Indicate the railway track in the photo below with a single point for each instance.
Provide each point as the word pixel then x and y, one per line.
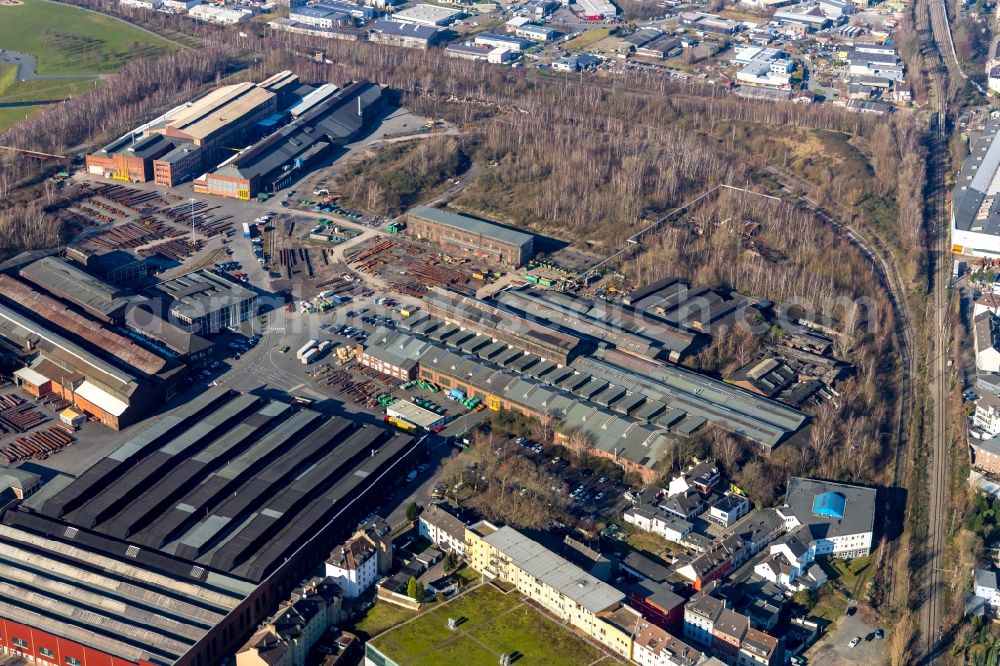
pixel 940 54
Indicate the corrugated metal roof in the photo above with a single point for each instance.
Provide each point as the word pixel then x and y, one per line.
pixel 102 399
pixel 472 225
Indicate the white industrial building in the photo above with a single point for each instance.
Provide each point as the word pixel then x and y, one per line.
pixel 768 67
pixel 840 517
pixel 502 41
pixel 537 33
pixel 224 15
pixel 180 5
pixel 867 60
pixel 596 10
pixel 319 16
pixel 975 211
pixel 140 4
pixel 431 15
pixel 986 586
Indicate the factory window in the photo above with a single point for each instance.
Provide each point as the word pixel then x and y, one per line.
pixel 19 642
pixel 45 652
pixel 73 661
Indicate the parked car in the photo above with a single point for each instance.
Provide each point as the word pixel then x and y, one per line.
pixel 855 641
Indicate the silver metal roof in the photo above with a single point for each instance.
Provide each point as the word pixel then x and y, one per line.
pixel 555 571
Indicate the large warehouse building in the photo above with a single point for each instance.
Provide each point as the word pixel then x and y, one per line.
pixel 203 302
pixel 175 146
pixel 283 156
pixel 975 210
pixel 629 407
pixel 173 548
pixel 73 354
pixel 181 144
pixel 469 235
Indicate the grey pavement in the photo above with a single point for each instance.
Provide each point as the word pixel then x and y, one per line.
pixel 834 647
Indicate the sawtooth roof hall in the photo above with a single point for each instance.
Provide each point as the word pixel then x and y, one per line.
pixel 975 213
pixel 172 548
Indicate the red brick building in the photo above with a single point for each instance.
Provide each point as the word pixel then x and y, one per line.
pixel 43 648
pixel 986 455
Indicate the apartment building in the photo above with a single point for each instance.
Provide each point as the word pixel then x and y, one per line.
pixel 561 588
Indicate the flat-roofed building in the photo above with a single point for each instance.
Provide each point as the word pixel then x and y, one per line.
pixel 502 41
pixel 561 588
pixel 424 14
pixel 217 14
pixel 595 10
pixel 175 546
pixel 410 35
pixel 203 302
pixel 466 234
pixel 118 267
pixel 840 517
pixel 986 454
pixel 409 412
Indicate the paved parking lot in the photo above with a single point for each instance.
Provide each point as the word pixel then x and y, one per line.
pixel 834 648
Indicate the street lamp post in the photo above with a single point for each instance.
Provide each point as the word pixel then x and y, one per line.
pixel 192 221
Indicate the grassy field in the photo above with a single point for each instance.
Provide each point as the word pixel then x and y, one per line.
pixel 69 40
pixel 10 117
pixel 380 617
pixel 588 38
pixel 12 90
pixel 490 623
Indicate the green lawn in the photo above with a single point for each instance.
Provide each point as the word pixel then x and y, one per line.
pixel 380 617
pixel 10 117
pixel 490 623
pixel 69 40
pixel 12 90
pixel 540 640
pixel 467 573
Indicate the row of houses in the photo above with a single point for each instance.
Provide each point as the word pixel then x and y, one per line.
pixel 819 518
pixel 645 622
